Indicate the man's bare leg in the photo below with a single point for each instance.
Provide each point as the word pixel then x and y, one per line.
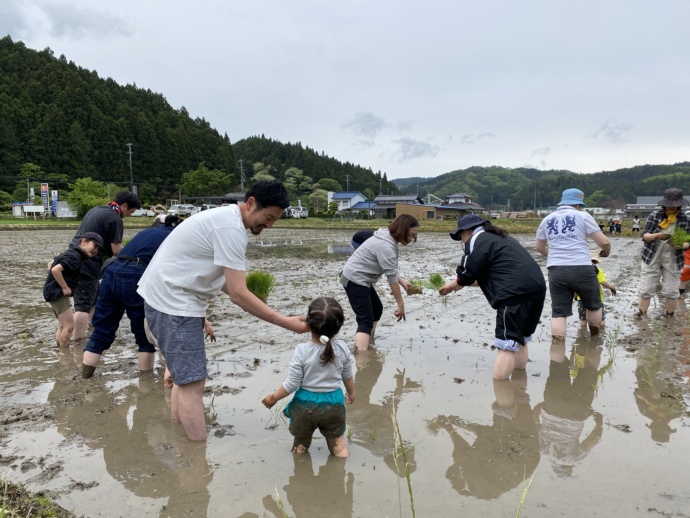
pixel 558 328
pixel 190 408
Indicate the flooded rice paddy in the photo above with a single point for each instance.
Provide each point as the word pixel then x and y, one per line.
pixel 595 427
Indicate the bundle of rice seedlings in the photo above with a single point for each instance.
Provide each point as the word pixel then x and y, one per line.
pixel 261 284
pixel 436 281
pixel 415 287
pixel 679 237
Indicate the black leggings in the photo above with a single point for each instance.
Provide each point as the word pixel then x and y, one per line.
pixel 366 304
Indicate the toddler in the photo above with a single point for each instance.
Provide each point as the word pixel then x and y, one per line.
pixel 316 370
pixel 602 282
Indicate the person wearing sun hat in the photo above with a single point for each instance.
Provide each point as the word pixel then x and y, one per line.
pixel 562 239
pixel 661 262
pixel 511 281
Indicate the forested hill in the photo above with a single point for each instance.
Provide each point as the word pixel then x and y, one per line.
pixel 261 155
pixel 519 187
pixel 65 122
pixel 70 122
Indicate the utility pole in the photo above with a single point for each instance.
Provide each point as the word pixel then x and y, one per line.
pixel 380 190
pixel 131 176
pixel 241 177
pixel 347 182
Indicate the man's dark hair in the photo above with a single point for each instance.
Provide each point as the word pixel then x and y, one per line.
pixel 129 198
pixel 268 193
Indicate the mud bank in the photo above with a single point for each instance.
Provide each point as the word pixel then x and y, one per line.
pixel 600 425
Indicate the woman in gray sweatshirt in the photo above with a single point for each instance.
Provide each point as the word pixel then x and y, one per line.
pixel 377 256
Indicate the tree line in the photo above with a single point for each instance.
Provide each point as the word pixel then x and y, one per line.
pixel 525 188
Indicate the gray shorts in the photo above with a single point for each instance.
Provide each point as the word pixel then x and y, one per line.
pixel 565 281
pixel 181 340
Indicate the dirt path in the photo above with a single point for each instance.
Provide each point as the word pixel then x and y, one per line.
pixel 601 425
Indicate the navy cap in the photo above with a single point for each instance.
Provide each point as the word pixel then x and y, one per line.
pixel 466 223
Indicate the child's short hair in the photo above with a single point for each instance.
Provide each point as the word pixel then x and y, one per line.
pixel 325 317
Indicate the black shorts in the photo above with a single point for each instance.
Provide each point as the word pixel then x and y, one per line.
pixel 366 304
pixel 86 294
pixel 516 323
pixel 565 281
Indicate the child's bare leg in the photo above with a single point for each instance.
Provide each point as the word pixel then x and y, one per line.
pixel 65 328
pixel 301 444
pixel 337 447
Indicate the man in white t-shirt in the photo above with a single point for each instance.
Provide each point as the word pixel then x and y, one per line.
pixel 569 263
pixel 200 259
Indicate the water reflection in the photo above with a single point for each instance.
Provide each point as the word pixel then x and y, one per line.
pixel 489 460
pixel 310 495
pixel 568 396
pixel 371 423
pixel 142 450
pixel 658 397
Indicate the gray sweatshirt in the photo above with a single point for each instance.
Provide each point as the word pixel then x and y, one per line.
pixel 307 372
pixel 377 256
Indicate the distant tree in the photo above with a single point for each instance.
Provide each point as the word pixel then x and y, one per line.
pixel 86 194
pixel 5 201
pixel 205 182
pixel 262 171
pixel 369 194
pixel 328 184
pixel 297 183
pixel 318 200
pixel 333 207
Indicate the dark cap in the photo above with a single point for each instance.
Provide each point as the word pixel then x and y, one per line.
pixel 466 223
pixel 673 198
pixel 96 238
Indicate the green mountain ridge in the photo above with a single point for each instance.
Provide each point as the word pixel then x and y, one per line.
pixel 525 188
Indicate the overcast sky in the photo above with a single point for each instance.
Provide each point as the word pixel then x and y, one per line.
pixel 412 88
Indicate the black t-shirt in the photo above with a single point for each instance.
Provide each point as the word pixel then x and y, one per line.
pixel 107 223
pixel 71 261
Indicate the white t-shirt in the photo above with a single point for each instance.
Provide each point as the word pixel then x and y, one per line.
pixel 566 232
pixel 187 270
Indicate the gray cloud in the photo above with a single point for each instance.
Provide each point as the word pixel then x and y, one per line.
pixel 366 124
pixel 79 23
pixel 472 138
pixel 409 149
pixel 615 133
pixel 543 151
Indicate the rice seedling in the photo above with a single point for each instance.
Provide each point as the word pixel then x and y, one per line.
pixel 399 450
pixel 523 497
pixel 261 284
pixel 374 433
pixel 281 506
pixel 679 238
pixel 436 281
pixel 349 434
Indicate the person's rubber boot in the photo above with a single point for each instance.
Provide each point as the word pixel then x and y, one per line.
pixel 87 371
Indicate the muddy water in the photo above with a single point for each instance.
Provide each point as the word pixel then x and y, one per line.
pixel 600 426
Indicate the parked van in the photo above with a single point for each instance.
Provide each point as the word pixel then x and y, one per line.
pixel 300 212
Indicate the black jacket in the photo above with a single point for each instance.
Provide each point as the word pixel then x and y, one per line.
pixel 506 273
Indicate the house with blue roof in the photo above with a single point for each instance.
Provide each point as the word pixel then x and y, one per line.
pixel 346 199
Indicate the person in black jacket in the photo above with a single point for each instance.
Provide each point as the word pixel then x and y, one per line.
pixel 512 282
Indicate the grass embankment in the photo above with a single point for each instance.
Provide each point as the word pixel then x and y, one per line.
pixel 512 226
pixel 17 501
